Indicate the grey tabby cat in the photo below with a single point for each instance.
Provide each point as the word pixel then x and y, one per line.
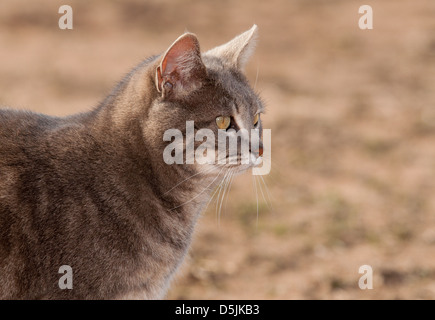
pixel 92 191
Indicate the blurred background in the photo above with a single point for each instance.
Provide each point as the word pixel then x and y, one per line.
pixel 352 114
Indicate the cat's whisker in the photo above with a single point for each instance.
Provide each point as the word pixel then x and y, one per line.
pixel 223 186
pixel 217 203
pixel 211 198
pixel 262 193
pixel 233 174
pixel 200 192
pixel 256 196
pixel 200 172
pixel 267 192
pixel 216 189
pixel 225 190
pixel 274 165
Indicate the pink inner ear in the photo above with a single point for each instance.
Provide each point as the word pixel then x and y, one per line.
pixel 183 47
pixel 181 63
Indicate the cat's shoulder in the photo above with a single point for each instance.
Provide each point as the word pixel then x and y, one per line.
pixel 11 119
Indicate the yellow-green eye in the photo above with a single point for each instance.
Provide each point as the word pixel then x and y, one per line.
pixel 223 122
pixel 256 118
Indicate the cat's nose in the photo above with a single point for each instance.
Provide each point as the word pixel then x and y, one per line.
pixel 258 151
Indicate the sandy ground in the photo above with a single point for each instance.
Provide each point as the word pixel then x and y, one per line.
pixel 352 114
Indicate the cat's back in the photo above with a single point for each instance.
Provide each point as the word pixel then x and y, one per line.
pixel 21 128
pixel 21 142
pixel 23 136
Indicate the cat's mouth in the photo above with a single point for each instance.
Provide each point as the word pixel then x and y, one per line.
pixel 256 160
pixel 244 164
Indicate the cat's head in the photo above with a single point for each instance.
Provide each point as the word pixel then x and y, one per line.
pixel 211 90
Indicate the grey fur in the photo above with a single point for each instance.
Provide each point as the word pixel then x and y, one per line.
pixel 90 190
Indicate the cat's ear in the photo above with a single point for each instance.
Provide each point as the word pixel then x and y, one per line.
pixel 181 69
pixel 237 52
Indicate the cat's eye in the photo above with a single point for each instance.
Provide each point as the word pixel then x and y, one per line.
pixel 256 118
pixel 223 122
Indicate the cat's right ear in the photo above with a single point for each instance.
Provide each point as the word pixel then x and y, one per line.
pixel 237 52
pixel 181 69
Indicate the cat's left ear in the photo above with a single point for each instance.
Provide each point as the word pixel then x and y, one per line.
pixel 181 69
pixel 237 52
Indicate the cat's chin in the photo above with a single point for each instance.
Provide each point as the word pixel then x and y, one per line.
pixel 254 162
pixel 242 168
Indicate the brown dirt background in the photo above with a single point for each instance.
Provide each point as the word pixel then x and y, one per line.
pixel 352 114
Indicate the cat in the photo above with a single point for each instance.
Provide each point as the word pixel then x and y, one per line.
pixel 91 191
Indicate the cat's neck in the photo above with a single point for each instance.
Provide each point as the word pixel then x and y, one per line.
pixel 121 121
